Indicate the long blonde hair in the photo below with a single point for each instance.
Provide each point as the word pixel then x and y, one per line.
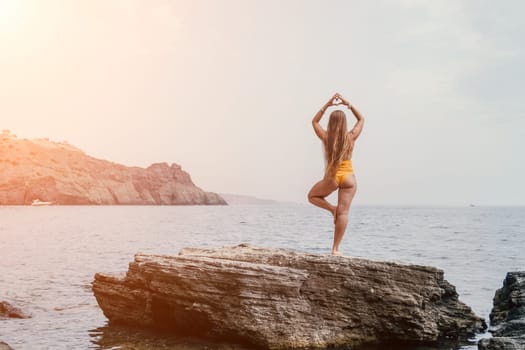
pixel 338 143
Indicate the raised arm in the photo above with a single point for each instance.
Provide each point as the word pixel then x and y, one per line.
pixel 320 132
pixel 356 130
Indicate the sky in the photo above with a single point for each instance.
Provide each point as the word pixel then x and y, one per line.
pixel 228 89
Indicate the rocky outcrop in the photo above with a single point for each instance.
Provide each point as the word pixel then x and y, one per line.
pixel 60 173
pixel 9 311
pixel 283 299
pixel 507 318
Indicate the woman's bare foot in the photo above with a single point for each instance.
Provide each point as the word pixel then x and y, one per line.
pixel 336 253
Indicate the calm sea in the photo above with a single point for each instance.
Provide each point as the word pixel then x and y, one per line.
pixel 50 254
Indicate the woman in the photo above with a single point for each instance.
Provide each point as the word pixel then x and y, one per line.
pixel 338 146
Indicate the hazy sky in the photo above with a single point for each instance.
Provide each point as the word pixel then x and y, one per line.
pixel 228 89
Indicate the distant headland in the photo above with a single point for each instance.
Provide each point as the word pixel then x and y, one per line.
pixel 60 173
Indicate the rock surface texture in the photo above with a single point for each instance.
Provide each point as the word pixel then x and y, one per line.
pixel 283 299
pixel 60 173
pixel 507 318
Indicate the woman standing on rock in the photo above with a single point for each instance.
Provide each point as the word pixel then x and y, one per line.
pixel 338 146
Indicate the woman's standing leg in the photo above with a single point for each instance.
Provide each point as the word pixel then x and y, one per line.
pixel 319 191
pixel 346 194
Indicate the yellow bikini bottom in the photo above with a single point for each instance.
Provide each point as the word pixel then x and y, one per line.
pixel 345 169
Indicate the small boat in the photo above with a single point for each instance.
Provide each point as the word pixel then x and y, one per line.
pixel 38 202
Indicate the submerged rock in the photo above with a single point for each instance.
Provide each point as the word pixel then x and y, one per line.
pixel 132 338
pixel 4 346
pixel 9 311
pixel 507 318
pixel 277 298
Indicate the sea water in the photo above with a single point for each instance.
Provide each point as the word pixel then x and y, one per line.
pixel 49 255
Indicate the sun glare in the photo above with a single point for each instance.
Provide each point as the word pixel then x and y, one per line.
pixel 10 13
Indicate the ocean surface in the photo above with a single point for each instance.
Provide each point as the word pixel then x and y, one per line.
pixel 49 255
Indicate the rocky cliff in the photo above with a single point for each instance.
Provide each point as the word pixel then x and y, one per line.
pixel 282 299
pixel 63 174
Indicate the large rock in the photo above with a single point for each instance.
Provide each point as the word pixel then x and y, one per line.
pixel 507 318
pixel 63 174
pixel 277 298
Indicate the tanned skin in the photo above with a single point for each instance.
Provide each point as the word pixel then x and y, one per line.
pixel 328 185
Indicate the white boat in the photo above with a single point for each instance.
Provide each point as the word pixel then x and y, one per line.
pixel 38 202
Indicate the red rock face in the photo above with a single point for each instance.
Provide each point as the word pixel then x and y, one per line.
pixel 62 174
